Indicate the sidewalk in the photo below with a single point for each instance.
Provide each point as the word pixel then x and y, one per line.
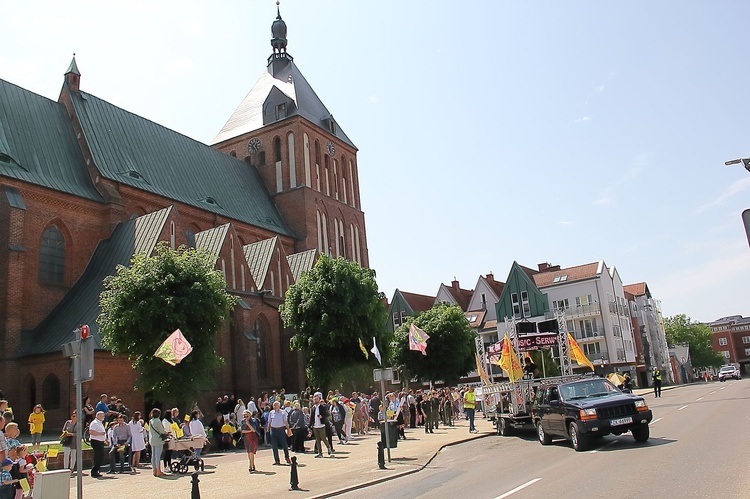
pixel 351 467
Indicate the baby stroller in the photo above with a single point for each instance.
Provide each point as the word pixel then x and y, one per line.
pixel 186 446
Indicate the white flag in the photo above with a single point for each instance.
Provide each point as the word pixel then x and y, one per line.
pixel 375 351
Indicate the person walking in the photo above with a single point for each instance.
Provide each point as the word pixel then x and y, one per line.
pixel 299 428
pixel 656 377
pixel 249 430
pixel 319 421
pixel 470 401
pixel 278 426
pixel 98 436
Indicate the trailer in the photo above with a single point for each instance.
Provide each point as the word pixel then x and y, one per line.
pixel 514 400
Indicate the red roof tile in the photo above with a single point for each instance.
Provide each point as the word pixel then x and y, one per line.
pixel 418 303
pixel 638 289
pixel 580 272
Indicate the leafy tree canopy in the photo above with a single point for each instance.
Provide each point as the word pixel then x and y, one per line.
pixel 143 304
pixel 681 329
pixel 331 308
pixel 450 349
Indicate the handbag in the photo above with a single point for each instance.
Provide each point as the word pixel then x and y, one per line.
pixel 66 440
pixel 165 437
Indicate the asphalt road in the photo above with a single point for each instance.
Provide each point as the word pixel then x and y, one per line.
pixel 699 447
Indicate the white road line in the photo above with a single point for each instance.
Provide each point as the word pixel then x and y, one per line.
pixel 655 421
pixel 605 445
pixel 681 408
pixel 520 487
pixel 699 399
pixel 712 392
pixel 722 387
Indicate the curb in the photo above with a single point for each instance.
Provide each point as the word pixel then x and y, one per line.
pixel 376 481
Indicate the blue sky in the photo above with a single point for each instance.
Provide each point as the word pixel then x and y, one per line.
pixel 488 131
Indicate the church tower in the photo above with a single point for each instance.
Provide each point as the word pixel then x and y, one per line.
pixel 309 165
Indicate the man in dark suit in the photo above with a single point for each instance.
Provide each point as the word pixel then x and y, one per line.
pixel 320 424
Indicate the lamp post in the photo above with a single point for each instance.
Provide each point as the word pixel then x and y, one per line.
pixel 745 214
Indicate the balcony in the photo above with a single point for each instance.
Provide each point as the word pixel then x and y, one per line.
pixel 592 309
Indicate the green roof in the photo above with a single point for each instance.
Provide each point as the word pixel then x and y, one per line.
pixel 132 150
pixel 81 304
pixel 38 145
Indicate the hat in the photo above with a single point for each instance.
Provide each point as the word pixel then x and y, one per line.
pixel 7 462
pixel 346 400
pixel 318 394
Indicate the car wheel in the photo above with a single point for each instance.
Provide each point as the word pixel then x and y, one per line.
pixel 544 439
pixel 640 433
pixel 579 440
pixel 504 428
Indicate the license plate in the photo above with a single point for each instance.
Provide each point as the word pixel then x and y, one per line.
pixel 616 422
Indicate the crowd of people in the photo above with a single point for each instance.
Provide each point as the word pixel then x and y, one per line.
pixel 283 422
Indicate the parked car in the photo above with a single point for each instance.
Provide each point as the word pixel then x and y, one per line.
pixel 728 371
pixel 592 407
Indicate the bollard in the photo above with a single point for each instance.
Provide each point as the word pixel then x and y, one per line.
pixel 195 493
pixel 381 455
pixel 294 478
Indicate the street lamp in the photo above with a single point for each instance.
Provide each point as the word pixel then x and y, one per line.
pixel 745 214
pixel 745 162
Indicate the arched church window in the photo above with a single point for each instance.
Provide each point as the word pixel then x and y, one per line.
pixel 277 149
pixel 52 256
pixel 51 392
pixel 261 333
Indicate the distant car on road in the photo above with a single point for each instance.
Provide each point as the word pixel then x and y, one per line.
pixel 727 372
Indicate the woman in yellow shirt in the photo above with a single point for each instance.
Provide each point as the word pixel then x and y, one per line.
pixel 36 426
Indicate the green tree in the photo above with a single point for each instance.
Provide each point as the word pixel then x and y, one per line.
pixel 331 308
pixel 450 349
pixel 144 303
pixel 681 329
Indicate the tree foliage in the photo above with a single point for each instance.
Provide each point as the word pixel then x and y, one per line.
pixel 144 303
pixel 450 349
pixel 680 329
pixel 331 308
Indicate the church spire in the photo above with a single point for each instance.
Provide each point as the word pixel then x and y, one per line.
pixel 279 59
pixel 73 76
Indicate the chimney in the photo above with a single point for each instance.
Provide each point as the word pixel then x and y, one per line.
pixel 454 284
pixel 490 277
pixel 543 266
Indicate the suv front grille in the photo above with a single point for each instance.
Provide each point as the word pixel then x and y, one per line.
pixel 616 411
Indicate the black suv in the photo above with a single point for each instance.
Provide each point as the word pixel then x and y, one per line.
pixel 588 408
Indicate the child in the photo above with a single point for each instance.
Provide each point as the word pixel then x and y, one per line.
pixel 36 426
pixel 7 482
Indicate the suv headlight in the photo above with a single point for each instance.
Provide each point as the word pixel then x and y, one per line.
pixel 587 414
pixel 641 405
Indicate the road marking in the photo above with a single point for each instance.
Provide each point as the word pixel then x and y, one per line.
pixel 699 399
pixel 712 392
pixel 520 487
pixel 605 445
pixel 681 408
pixel 722 387
pixel 655 421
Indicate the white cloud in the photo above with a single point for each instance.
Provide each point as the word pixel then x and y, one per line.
pixel 584 119
pixel 605 197
pixel 735 188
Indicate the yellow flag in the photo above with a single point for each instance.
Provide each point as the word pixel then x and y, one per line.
pixel 482 373
pixel 577 354
pixel 509 361
pixel 364 350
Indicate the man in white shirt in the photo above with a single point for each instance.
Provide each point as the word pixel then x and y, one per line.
pixel 278 424
pixel 319 420
pixel 98 435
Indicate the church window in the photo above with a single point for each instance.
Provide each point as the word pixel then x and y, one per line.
pixel 172 237
pixel 280 111
pixel 261 333
pixel 342 239
pixel 277 149
pixel 262 158
pixel 326 161
pixel 292 163
pixel 335 179
pixel 320 233
pixel 336 235
pixel 51 392
pixel 52 256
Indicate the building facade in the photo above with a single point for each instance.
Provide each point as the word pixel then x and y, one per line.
pixel 85 185
pixel 731 338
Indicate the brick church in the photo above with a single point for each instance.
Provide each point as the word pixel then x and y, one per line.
pixel 85 185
